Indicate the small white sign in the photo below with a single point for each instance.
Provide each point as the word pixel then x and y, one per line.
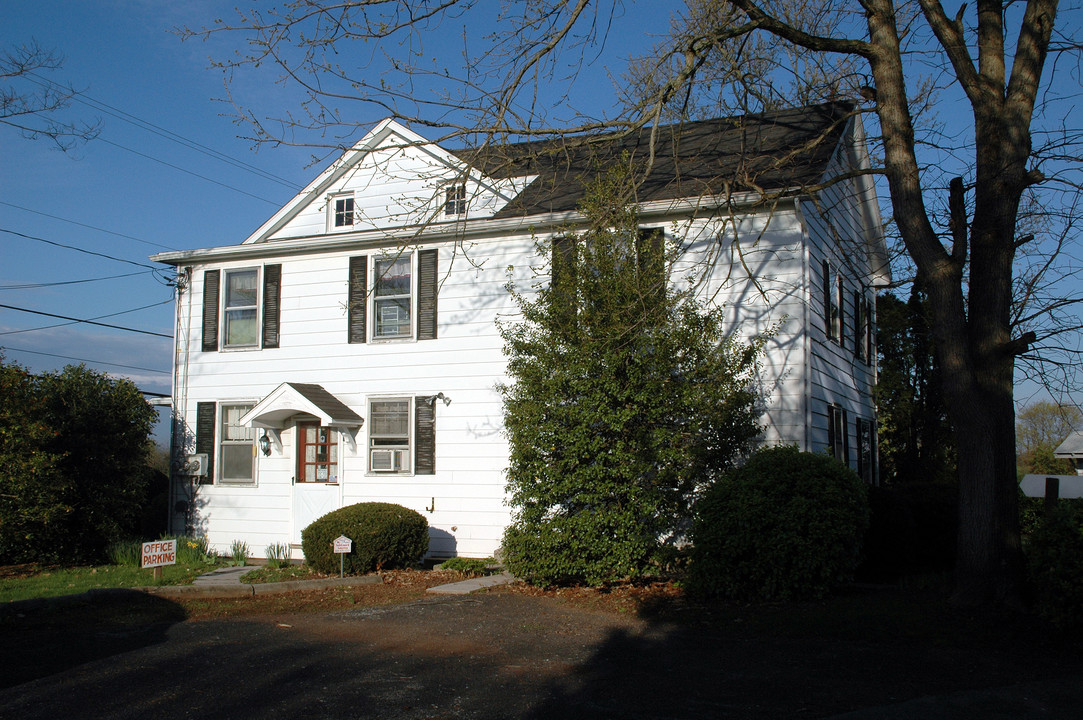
pixel 343 544
pixel 158 553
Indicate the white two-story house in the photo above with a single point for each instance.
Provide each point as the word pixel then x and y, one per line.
pixel 348 351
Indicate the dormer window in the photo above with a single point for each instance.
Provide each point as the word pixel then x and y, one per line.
pixel 343 211
pixel 455 200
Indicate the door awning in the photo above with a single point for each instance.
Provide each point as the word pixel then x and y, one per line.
pixel 289 399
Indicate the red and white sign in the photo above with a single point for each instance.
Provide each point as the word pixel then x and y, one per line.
pixel 158 553
pixel 343 544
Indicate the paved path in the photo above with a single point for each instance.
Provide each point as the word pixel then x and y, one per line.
pixel 226 582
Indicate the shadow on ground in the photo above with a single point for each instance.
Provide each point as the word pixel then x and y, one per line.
pixel 49 637
pixel 505 655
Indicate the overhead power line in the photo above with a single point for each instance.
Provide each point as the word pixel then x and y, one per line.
pixel 32 286
pixel 189 172
pixel 74 222
pixel 88 322
pixel 168 134
pixel 97 317
pixel 78 359
pixel 79 249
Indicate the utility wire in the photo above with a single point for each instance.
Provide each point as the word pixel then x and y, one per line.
pixel 98 317
pixel 73 222
pixel 79 249
pixel 88 322
pixel 167 134
pixel 33 286
pixel 78 359
pixel 178 167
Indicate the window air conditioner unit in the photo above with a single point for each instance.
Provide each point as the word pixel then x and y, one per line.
pixel 384 460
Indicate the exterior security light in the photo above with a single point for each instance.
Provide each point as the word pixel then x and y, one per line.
pixel 265 443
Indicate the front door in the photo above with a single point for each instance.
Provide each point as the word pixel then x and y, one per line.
pixel 317 489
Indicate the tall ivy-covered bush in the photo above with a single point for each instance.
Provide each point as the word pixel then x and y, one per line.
pixel 73 455
pixel 625 396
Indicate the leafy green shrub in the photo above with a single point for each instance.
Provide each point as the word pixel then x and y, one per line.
pixel 384 536
pixel 1054 555
pixel 912 530
pixel 626 394
pixel 787 525
pixel 73 454
pixel 278 555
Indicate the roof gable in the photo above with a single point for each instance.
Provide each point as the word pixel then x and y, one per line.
pixel 396 179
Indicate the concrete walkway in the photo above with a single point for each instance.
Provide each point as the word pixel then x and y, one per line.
pixel 226 582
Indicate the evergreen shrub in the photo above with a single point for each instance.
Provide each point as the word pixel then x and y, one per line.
pixel 786 525
pixel 626 395
pixel 384 536
pixel 1054 553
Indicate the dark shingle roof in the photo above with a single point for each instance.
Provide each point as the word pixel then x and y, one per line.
pixel 328 403
pixel 764 151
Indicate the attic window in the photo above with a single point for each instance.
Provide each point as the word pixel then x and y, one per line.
pixel 343 212
pixel 455 200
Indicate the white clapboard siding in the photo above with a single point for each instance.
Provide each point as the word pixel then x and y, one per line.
pixel 763 266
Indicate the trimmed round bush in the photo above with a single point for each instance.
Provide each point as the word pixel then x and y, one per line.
pixel 384 536
pixel 787 525
pixel 1054 553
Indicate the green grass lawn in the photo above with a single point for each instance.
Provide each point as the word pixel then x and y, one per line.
pixel 25 582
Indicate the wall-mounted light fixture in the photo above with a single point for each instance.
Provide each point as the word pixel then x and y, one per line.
pixel 265 443
pixel 431 399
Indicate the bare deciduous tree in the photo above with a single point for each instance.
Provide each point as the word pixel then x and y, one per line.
pixel 30 102
pixel 957 183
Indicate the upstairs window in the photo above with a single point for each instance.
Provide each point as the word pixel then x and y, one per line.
pixel 455 200
pixel 232 299
pixel 838 441
pixel 393 298
pixel 391 303
pixel 343 212
pixel 240 310
pixel 834 299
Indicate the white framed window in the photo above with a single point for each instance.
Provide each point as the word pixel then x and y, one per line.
pixel 240 308
pixel 341 211
pixel 236 446
pixel 455 200
pixel 389 435
pixel 392 297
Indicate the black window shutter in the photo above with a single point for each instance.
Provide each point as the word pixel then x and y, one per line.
pixel 829 320
pixel 358 297
pixel 859 330
pixel 272 289
pixel 841 297
pixel 424 436
pixel 205 424
pixel 426 294
pixel 211 281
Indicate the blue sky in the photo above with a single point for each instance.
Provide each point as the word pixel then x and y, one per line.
pixel 121 54
pixel 132 192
